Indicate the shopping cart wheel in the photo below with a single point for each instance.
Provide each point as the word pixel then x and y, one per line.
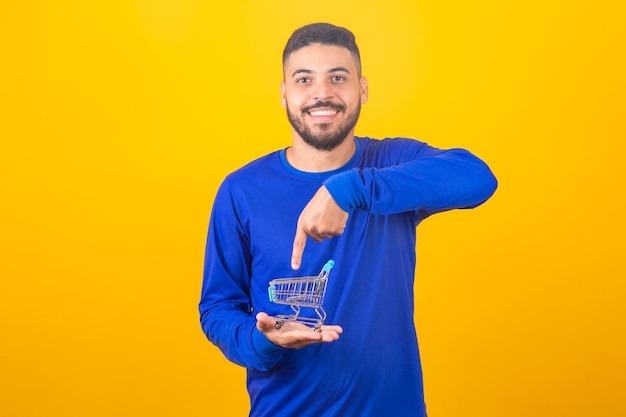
pixel 279 324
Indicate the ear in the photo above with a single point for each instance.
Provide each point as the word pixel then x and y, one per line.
pixel 283 100
pixel 364 93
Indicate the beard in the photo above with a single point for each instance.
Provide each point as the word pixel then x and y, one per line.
pixel 325 139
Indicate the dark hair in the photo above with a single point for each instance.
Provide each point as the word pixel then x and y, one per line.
pixel 326 34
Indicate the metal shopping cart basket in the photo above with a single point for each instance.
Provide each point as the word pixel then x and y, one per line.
pixel 301 292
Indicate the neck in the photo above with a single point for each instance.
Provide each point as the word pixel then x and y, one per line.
pixel 305 157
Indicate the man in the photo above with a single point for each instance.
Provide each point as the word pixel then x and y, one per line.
pixel 360 200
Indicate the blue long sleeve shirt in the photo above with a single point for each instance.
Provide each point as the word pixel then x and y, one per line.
pixel 388 187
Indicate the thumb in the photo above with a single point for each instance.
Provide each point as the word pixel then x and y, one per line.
pixel 264 322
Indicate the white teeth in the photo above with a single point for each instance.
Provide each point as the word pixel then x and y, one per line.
pixel 323 112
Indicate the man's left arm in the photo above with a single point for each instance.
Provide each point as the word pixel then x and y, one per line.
pixel 417 178
pixel 434 180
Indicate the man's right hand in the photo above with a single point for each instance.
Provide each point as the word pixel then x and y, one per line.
pixel 295 335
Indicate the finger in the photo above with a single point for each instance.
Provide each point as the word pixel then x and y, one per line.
pixel 329 336
pixel 332 328
pixel 299 242
pixel 331 333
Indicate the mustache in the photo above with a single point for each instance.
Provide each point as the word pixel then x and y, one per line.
pixel 326 104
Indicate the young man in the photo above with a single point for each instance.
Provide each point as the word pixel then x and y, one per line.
pixel 360 200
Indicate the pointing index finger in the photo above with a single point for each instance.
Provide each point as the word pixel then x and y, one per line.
pixel 299 242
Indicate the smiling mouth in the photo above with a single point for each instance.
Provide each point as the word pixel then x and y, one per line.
pixel 322 113
pixel 323 109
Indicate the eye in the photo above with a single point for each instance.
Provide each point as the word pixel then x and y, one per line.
pixel 302 80
pixel 338 78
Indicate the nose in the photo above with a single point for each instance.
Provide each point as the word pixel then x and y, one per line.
pixel 322 90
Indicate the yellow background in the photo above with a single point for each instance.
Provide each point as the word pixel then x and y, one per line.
pixel 119 119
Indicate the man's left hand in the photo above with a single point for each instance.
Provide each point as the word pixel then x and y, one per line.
pixel 321 219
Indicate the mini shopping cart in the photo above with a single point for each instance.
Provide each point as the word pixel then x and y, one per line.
pixel 301 292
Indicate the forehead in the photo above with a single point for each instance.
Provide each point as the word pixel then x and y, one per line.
pixel 319 58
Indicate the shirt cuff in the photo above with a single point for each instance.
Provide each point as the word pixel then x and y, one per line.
pixel 264 347
pixel 346 190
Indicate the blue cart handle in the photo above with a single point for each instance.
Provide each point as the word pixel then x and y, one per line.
pixel 329 265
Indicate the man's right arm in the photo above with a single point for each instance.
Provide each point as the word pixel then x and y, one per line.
pixel 225 308
pixel 245 337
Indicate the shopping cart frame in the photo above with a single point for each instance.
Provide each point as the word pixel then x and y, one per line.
pixel 301 292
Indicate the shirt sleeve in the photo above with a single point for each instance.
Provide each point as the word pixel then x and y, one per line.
pixel 225 308
pixel 414 176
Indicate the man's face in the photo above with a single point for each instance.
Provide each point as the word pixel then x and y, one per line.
pixel 323 93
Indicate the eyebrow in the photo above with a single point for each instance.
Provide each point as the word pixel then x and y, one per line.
pixel 306 71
